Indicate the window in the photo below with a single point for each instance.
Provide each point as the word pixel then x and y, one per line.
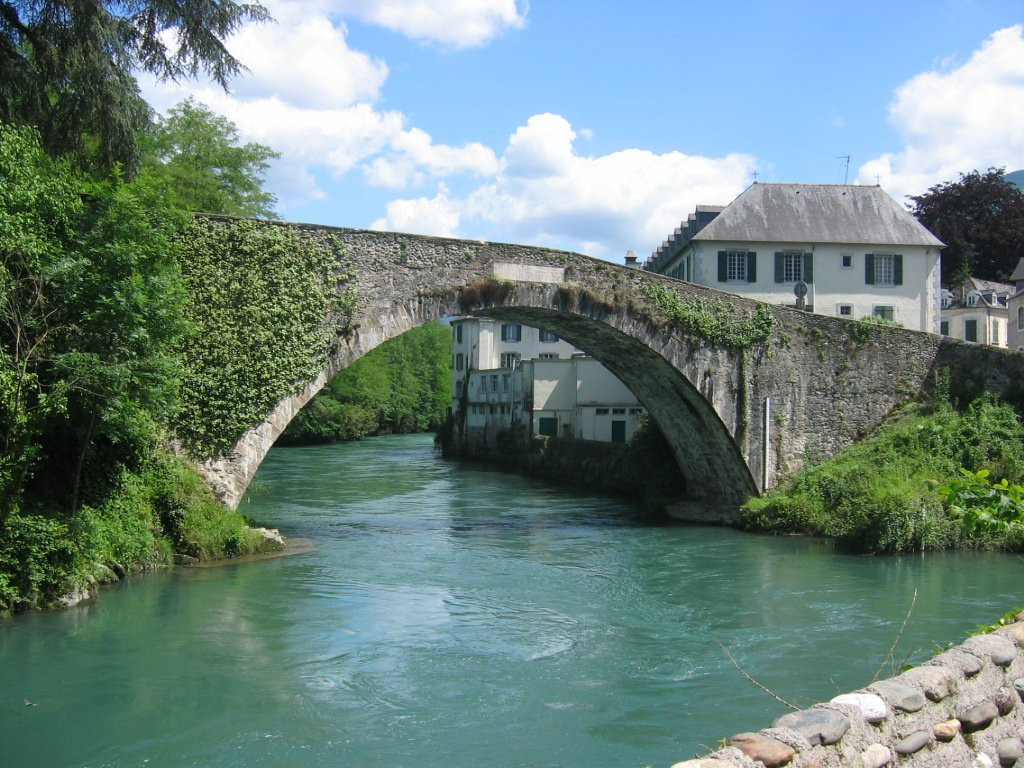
pixel 944 327
pixel 494 382
pixel 506 379
pixel 618 411
pixel 995 331
pixel 883 269
pixel 737 267
pixel 1020 318
pixel 971 330
pixel 885 312
pixel 511 332
pixel 483 384
pixel 458 389
pixel 636 411
pixel 458 333
pixel 972 299
pixel 602 411
pixel 548 337
pixel 844 310
pixel 547 425
pixel 548 355
pixel 794 267
pixel 510 359
pixel 460 361
pixel 846 260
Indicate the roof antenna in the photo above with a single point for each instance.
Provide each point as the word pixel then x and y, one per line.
pixel 846 173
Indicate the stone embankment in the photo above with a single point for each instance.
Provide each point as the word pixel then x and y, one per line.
pixel 961 708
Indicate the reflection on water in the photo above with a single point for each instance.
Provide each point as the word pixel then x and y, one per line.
pixel 452 615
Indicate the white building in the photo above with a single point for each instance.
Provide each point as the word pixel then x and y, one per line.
pixel 508 376
pixel 977 311
pixel 857 251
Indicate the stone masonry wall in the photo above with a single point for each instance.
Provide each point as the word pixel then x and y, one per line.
pixel 961 709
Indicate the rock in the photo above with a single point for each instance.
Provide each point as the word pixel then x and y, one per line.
pixel 1009 752
pixel 1019 685
pixel 704 762
pixel 981 760
pixel 979 716
pixel 995 647
pixel 946 731
pixel 871 705
pixel 899 696
pixel 102 574
pixel 1005 700
pixel 968 663
pixel 771 752
pixel 1013 632
pixel 77 596
pixel 273 541
pixel 183 559
pixel 818 726
pixel 875 756
pixel 937 683
pixel 119 569
pixel 915 742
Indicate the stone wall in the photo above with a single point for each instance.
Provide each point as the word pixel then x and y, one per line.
pixel 961 708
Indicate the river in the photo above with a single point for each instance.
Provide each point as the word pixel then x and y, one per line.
pixel 452 615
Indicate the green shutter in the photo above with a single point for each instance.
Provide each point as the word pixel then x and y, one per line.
pixel 751 267
pixel 869 269
pixel 897 269
pixel 723 266
pixel 780 267
pixel 808 268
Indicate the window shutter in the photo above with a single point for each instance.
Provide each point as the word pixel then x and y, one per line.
pixel 869 269
pixel 780 267
pixel 723 266
pixel 897 269
pixel 808 268
pixel 751 267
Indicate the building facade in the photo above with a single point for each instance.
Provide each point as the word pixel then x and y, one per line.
pixel 852 251
pixel 978 312
pixel 508 377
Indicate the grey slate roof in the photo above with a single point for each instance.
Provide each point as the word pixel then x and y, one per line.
pixel 1018 272
pixel 817 213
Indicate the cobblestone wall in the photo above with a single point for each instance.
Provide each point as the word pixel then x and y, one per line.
pixel 963 708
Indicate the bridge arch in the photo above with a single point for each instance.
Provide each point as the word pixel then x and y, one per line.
pixel 739 417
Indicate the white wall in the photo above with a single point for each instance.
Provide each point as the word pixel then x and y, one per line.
pixel 915 302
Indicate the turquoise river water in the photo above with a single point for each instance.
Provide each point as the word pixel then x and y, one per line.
pixel 455 616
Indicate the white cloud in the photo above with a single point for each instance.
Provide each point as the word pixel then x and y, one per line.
pixel 455 23
pixel 956 119
pixel 548 194
pixel 413 158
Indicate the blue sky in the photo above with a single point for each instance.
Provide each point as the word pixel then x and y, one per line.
pixel 597 126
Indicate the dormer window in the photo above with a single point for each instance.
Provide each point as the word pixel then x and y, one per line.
pixel 972 299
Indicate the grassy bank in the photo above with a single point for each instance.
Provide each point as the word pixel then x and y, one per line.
pixel 882 494
pixel 163 510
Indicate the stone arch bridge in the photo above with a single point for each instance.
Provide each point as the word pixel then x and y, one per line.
pixel 739 414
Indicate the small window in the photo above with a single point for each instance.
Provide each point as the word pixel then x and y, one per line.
pixel 618 411
pixel 548 337
pixel 494 409
pixel 737 267
pixel 995 331
pixel 458 333
pixel 458 389
pixel 548 355
pixel 793 268
pixel 483 384
pixel 944 327
pixel 972 300
pixel 510 359
pixel 511 332
pixel 460 361
pixel 547 425
pixel 602 411
pixel 494 382
pixel 885 312
pixel 844 310
pixel 846 260
pixel 1020 318
pixel 883 269
pixel 971 330
pixel 506 379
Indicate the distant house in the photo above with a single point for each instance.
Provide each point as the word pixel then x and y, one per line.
pixel 508 376
pixel 854 249
pixel 1015 308
pixel 977 311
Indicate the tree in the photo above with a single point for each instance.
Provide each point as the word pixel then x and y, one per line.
pixel 980 218
pixel 66 66
pixel 89 314
pixel 194 155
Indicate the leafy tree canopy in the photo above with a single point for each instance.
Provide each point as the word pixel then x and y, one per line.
pixel 193 155
pixel 66 67
pixel 980 218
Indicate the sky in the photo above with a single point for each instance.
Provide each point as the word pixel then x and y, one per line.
pixel 597 126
